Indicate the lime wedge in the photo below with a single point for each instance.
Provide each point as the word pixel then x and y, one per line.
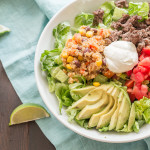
pixel 3 30
pixel 27 112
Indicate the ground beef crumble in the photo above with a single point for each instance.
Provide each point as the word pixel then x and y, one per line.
pixel 130 29
pixel 98 17
pixel 122 4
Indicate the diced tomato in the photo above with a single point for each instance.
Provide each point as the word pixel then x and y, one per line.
pixel 144 90
pixel 129 83
pixel 145 62
pixel 137 92
pixel 138 77
pixel 108 74
pixel 131 95
pixel 146 50
pixel 135 70
pixel 77 37
pixel 129 73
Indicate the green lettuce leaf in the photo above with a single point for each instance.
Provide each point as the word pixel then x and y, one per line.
pixel 146 115
pixel 62 92
pixel 118 13
pixel 108 8
pixel 50 59
pixel 104 129
pixel 140 9
pixel 136 127
pixel 51 83
pixel 83 19
pixel 141 106
pixel 71 113
pixel 61 33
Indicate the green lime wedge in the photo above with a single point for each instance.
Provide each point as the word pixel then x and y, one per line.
pixel 27 112
pixel 3 30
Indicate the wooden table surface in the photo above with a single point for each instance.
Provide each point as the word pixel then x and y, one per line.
pixel 27 136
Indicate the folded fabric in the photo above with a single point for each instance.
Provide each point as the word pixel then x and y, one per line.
pixel 27 19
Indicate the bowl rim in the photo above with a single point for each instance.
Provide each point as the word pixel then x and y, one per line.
pixel 46 103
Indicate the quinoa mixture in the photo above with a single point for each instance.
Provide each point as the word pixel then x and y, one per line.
pixel 83 53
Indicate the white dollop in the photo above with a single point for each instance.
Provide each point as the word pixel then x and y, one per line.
pixel 121 56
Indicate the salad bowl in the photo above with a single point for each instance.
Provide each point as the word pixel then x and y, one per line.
pixel 46 42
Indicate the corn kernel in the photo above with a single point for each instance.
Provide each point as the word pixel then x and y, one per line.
pixel 64 55
pixel 80 58
pixel 89 34
pixel 70 59
pixel 82 32
pixel 68 66
pixel 99 63
pixel 96 84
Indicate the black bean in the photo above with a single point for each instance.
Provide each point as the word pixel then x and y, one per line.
pixel 94 30
pixel 104 61
pixel 86 50
pixel 79 48
pixel 87 28
pixel 77 63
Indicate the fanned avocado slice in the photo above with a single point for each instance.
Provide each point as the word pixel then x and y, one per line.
pixel 89 110
pixel 114 118
pixel 105 119
pixel 83 91
pixel 95 117
pixel 91 98
pixel 124 113
pixel 131 120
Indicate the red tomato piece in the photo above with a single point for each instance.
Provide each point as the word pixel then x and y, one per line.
pixel 129 73
pixel 144 90
pixel 138 77
pixel 131 95
pixel 129 83
pixel 137 92
pixel 145 62
pixel 146 50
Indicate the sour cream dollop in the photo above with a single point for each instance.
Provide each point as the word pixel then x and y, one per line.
pixel 121 56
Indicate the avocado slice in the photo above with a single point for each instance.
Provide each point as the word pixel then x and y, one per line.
pixel 131 120
pixel 114 118
pixel 91 98
pixel 95 117
pixel 105 119
pixel 124 113
pixel 83 91
pixel 89 110
pixel 61 76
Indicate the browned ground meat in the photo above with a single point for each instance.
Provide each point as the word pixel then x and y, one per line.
pixel 130 29
pixel 98 17
pixel 122 4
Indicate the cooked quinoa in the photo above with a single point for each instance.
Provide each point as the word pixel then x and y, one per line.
pixel 83 53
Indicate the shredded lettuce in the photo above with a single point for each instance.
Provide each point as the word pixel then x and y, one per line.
pixel 141 106
pixel 71 114
pixel 83 19
pixel 140 9
pixel 62 92
pixel 51 83
pixel 104 129
pixel 50 59
pixel 61 33
pixel 146 115
pixel 108 8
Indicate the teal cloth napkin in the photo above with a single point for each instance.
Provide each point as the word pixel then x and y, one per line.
pixel 27 19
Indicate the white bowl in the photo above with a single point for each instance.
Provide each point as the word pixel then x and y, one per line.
pixel 46 41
